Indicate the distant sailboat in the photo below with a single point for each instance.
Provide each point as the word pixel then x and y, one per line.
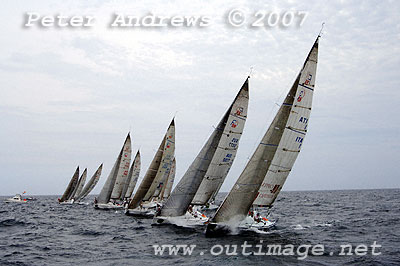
pixel 119 170
pixel 71 187
pixel 146 198
pixel 79 186
pixel 90 184
pixel 212 163
pixel 265 173
pixel 132 179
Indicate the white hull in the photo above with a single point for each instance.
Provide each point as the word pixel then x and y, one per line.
pixel 144 212
pixel 188 220
pixel 11 200
pixel 107 206
pixel 248 224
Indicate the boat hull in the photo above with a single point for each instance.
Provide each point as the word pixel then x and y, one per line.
pixel 107 206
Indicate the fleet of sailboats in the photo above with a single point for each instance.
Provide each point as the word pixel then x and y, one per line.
pixel 250 200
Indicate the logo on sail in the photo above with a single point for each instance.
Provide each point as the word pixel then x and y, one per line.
pixel 239 111
pixel 301 95
pixel 234 123
pixel 308 80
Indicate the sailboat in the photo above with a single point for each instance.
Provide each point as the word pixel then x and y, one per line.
pixel 264 175
pixel 112 189
pixel 78 187
pixel 147 197
pixel 71 187
pixel 132 179
pixel 212 162
pixel 90 185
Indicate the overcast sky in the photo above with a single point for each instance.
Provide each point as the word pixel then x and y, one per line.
pixel 70 96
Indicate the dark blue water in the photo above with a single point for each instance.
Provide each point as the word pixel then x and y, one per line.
pixel 46 233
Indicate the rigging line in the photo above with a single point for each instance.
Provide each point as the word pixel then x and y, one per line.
pixel 322 27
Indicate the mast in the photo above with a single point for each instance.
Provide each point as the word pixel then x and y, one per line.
pixel 286 122
pixel 71 185
pixel 184 192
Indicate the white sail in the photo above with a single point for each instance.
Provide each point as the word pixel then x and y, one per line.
pixel 224 155
pixel 71 186
pixel 149 176
pixel 80 184
pixel 184 192
pixel 239 200
pixel 170 181
pixel 133 176
pixel 105 193
pixel 293 135
pixel 165 165
pixel 123 170
pixel 90 184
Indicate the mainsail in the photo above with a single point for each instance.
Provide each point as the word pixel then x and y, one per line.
pixel 90 184
pixel 132 177
pixel 71 186
pixel 122 171
pixel 277 151
pixel 166 191
pixel 165 165
pixel 80 184
pixel 105 194
pixel 227 130
pixel 223 158
pixel 150 175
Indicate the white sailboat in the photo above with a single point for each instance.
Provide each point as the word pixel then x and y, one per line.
pixel 119 171
pixel 71 187
pixel 264 175
pixel 212 162
pixel 147 197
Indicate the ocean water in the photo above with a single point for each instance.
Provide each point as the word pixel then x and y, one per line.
pixel 43 232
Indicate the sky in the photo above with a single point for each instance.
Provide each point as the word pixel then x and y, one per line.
pixel 69 96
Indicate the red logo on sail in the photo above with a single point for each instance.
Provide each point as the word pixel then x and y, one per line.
pixel 234 123
pixel 301 95
pixel 239 110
